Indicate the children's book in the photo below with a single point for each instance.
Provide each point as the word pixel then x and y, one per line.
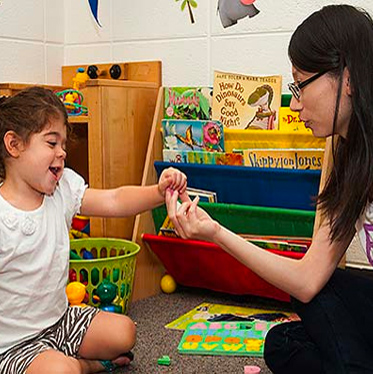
pixel 174 155
pixel 193 135
pixel 225 338
pixel 279 245
pixel 298 159
pixel 246 101
pixel 289 121
pixel 280 242
pixel 208 312
pixel 202 157
pixel 168 228
pixel 187 102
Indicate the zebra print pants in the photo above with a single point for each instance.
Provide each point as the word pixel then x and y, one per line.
pixel 65 336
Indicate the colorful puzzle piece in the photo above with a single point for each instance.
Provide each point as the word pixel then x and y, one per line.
pixel 225 338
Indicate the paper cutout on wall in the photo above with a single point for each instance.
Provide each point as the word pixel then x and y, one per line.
pixel 94 8
pixel 231 11
pixel 190 4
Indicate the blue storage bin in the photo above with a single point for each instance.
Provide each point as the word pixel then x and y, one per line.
pixel 282 188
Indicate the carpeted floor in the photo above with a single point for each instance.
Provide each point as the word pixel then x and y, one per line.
pixel 154 340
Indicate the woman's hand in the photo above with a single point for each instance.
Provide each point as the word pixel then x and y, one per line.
pixel 173 179
pixel 190 221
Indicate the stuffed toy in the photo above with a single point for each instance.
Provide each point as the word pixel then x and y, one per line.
pixel 231 11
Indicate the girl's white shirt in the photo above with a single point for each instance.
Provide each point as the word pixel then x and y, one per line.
pixel 34 261
pixel 364 229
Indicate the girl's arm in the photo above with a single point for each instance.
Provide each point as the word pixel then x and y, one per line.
pixel 130 200
pixel 302 279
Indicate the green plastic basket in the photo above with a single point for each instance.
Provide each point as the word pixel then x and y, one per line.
pixel 114 260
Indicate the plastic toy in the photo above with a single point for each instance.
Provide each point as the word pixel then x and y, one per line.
pixel 225 338
pixel 76 292
pixel 164 360
pixel 106 293
pixel 231 11
pixel 73 100
pixel 251 369
pixel 80 79
pixel 168 284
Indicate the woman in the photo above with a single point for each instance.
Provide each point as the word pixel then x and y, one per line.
pixel 332 58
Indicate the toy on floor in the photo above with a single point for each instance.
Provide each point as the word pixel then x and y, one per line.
pixel 251 369
pixel 76 293
pixel 106 293
pixel 225 338
pixel 164 360
pixel 168 284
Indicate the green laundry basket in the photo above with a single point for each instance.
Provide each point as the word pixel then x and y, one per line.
pixel 113 259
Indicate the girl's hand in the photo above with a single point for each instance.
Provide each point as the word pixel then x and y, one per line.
pixel 190 221
pixel 173 179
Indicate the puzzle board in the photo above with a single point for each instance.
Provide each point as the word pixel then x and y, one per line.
pixel 225 338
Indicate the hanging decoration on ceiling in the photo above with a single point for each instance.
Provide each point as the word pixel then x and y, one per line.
pixel 231 11
pixel 189 4
pixel 94 9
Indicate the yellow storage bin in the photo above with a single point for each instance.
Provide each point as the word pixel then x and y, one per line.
pixel 248 139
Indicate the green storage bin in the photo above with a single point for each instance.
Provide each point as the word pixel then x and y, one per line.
pixel 114 260
pixel 245 219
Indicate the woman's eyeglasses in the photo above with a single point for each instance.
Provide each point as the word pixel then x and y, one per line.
pixel 296 87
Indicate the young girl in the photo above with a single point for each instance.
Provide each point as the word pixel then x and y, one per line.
pixel 39 333
pixel 332 57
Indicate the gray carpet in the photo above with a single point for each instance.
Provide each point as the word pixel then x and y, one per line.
pixel 154 340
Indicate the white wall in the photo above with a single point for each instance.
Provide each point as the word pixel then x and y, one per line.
pixel 37 37
pixel 146 30
pixel 31 41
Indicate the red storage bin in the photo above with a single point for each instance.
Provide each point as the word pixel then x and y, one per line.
pixel 202 264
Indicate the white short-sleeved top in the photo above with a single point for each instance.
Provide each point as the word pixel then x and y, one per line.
pixel 364 229
pixel 34 261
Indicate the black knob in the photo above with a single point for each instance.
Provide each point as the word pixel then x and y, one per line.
pixel 92 71
pixel 115 71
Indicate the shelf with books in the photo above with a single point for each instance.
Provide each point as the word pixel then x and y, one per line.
pixel 145 224
pixel 200 264
pixel 282 188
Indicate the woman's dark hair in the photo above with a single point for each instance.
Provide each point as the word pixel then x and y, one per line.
pixel 27 113
pixel 332 39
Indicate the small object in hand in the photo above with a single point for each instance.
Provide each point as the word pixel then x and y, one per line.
pixel 252 369
pixel 164 360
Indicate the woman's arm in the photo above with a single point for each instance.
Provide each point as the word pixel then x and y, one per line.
pixel 302 279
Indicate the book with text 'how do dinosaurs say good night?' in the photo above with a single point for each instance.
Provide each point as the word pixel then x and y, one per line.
pixel 246 101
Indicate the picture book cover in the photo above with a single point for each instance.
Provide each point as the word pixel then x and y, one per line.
pixel 298 159
pixel 202 157
pixel 208 312
pixel 187 103
pixel 289 121
pixel 225 338
pixel 174 155
pixel 246 101
pixel 193 135
pixel 279 242
pixel 168 228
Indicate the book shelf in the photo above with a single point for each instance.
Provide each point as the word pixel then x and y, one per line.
pixel 144 223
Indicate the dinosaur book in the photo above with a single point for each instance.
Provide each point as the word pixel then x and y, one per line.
pixel 246 101
pixel 193 135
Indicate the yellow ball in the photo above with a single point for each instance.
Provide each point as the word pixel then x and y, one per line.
pixel 168 284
